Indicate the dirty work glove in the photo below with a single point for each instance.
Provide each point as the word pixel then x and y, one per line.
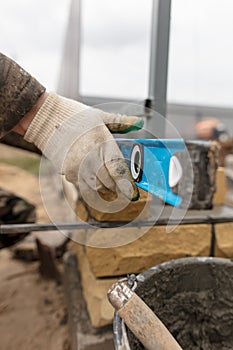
pixel 78 140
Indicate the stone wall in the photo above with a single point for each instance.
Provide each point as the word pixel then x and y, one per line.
pixel 101 267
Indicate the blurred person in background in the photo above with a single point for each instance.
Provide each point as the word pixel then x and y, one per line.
pixel 211 129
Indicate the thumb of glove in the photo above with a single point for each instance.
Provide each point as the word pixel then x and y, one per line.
pixel 121 124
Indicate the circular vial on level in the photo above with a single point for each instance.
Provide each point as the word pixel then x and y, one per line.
pixel 175 171
pixel 136 163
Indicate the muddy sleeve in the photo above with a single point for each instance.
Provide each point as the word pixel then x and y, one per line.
pixel 19 91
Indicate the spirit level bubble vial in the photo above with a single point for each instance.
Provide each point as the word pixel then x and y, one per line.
pixel 155 166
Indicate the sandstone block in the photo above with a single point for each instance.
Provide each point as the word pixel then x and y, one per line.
pixel 152 248
pixel 130 211
pixel 94 291
pixel 224 240
pixel 221 189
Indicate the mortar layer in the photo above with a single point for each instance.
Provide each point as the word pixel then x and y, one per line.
pixel 194 299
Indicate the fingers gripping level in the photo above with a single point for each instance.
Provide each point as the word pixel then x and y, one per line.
pixel 154 165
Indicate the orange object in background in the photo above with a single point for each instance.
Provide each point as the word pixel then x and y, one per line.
pixel 211 129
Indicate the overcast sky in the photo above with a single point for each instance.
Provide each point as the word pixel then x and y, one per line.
pixel 32 32
pixel 115 46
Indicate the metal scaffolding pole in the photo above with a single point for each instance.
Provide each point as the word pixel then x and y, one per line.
pixel 68 84
pixel 160 33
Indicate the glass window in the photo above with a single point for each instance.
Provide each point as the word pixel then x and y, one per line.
pixel 201 53
pixel 32 33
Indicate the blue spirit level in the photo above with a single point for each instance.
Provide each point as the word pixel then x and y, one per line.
pixel 154 165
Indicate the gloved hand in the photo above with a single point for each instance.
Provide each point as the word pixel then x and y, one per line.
pixel 78 140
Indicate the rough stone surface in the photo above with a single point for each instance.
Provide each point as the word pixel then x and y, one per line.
pixel 129 213
pixel 224 240
pixel 204 162
pixel 151 249
pixel 95 292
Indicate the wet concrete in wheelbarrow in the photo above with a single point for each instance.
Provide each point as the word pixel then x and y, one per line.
pixel 193 297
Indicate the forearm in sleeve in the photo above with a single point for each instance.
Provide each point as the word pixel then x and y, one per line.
pixel 19 92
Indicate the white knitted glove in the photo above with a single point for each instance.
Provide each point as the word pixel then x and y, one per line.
pixel 77 139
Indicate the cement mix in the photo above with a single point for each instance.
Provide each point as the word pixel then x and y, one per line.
pixel 194 299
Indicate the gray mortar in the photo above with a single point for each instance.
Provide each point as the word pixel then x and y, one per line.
pixel 199 178
pixel 194 299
